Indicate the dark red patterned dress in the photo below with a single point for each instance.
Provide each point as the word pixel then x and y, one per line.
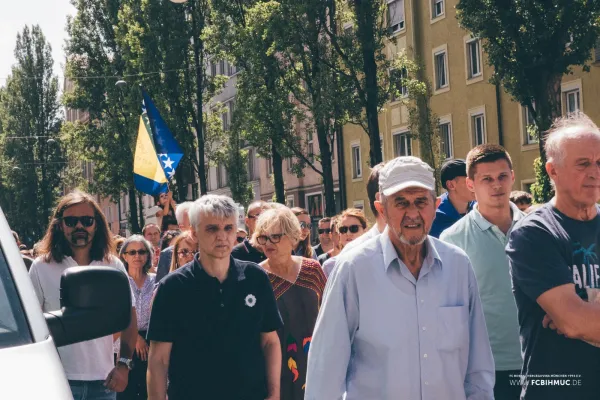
pixel 298 304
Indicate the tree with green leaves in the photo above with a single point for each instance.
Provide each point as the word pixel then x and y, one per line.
pixel 32 159
pixel 532 44
pixel 362 63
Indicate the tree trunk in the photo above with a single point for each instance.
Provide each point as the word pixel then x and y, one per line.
pixel 199 68
pixel 141 206
pixel 366 36
pixel 278 175
pixel 133 217
pixel 325 150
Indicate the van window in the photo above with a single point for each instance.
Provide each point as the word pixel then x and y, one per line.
pixel 14 330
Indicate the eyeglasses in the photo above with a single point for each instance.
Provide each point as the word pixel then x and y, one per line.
pixel 72 221
pixel 134 252
pixel 324 231
pixel 274 238
pixel 253 216
pixel 304 225
pixel 240 239
pixel 351 228
pixel 185 253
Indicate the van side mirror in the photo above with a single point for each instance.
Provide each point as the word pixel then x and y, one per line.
pixel 94 301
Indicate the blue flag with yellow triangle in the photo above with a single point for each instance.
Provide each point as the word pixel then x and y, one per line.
pixel 157 153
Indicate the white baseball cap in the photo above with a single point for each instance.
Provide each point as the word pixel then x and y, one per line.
pixel 405 172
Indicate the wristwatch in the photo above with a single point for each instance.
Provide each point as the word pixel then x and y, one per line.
pixel 127 361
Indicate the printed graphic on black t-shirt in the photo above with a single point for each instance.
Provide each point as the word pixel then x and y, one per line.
pixel 548 249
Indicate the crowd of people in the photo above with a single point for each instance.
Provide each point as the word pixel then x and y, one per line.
pixel 476 294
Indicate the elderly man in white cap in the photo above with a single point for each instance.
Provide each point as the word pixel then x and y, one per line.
pixel 401 317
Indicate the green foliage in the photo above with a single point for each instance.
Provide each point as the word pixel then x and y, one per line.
pixel 423 123
pixel 542 190
pixel 31 157
pixel 531 44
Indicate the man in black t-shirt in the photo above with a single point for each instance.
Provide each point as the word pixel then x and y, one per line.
pixel 554 257
pixel 213 327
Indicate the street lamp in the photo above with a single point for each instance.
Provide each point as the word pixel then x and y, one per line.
pixel 121 83
pixel 178 1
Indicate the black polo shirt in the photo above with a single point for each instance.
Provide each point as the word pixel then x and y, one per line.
pixel 215 329
pixel 246 252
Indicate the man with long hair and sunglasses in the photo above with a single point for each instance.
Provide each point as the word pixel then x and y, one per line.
pixel 78 235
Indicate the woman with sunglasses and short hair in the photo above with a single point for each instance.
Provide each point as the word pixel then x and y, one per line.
pixel 304 248
pixel 184 249
pixel 136 255
pixel 298 284
pixel 351 224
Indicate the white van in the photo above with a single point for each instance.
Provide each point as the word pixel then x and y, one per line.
pixel 30 367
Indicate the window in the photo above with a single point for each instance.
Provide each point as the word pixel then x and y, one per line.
pixel 222 67
pixel 402 145
pixel 14 329
pixel 213 69
pixel 382 147
pixel 395 15
pixel 441 70
pixel 289 201
pixel 529 121
pixel 402 88
pixel 473 58
pixel 572 101
pixel 478 129
pixel 251 159
pixel 221 176
pixel 269 166
pixel 437 8
pixel 310 146
pixel 356 163
pixel 446 139
pixel 360 204
pixel 225 119
pixel 289 163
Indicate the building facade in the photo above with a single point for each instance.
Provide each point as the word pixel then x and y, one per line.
pixel 471 110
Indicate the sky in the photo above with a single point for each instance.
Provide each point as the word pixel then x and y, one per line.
pixel 51 15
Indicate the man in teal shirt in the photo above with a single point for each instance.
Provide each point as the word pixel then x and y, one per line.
pixel 483 234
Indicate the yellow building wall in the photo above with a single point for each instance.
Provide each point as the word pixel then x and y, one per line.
pixel 456 102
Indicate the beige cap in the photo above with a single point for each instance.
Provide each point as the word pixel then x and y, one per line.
pixel 405 172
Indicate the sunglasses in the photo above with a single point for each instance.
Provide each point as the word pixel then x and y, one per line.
pixel 134 252
pixel 253 216
pixel 275 238
pixel 351 228
pixel 304 225
pixel 185 253
pixel 240 239
pixel 86 221
pixel 324 231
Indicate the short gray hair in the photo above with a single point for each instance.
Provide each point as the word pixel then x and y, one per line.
pixel 182 209
pixel 147 245
pixel 215 205
pixel 574 126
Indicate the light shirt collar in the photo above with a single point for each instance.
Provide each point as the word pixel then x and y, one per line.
pixel 390 254
pixel 484 224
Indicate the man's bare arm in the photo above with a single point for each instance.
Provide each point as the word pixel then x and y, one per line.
pixel 572 316
pixel 158 367
pixel 272 351
pixel 129 337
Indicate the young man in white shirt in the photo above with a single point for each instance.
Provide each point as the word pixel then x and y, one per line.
pixel 78 235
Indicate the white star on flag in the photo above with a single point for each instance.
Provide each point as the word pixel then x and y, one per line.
pixel 168 163
pixel 171 173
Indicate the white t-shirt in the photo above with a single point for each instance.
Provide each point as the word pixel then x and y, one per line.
pixel 91 360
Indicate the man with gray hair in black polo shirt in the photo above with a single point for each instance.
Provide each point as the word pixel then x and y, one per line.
pixel 213 328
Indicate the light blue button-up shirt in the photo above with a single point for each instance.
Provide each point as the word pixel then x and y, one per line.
pixel 484 243
pixel 381 334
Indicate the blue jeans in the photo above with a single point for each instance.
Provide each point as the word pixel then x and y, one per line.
pixel 91 390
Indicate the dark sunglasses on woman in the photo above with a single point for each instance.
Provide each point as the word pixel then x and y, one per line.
pixel 351 228
pixel 239 239
pixel 304 225
pixel 134 252
pixel 71 221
